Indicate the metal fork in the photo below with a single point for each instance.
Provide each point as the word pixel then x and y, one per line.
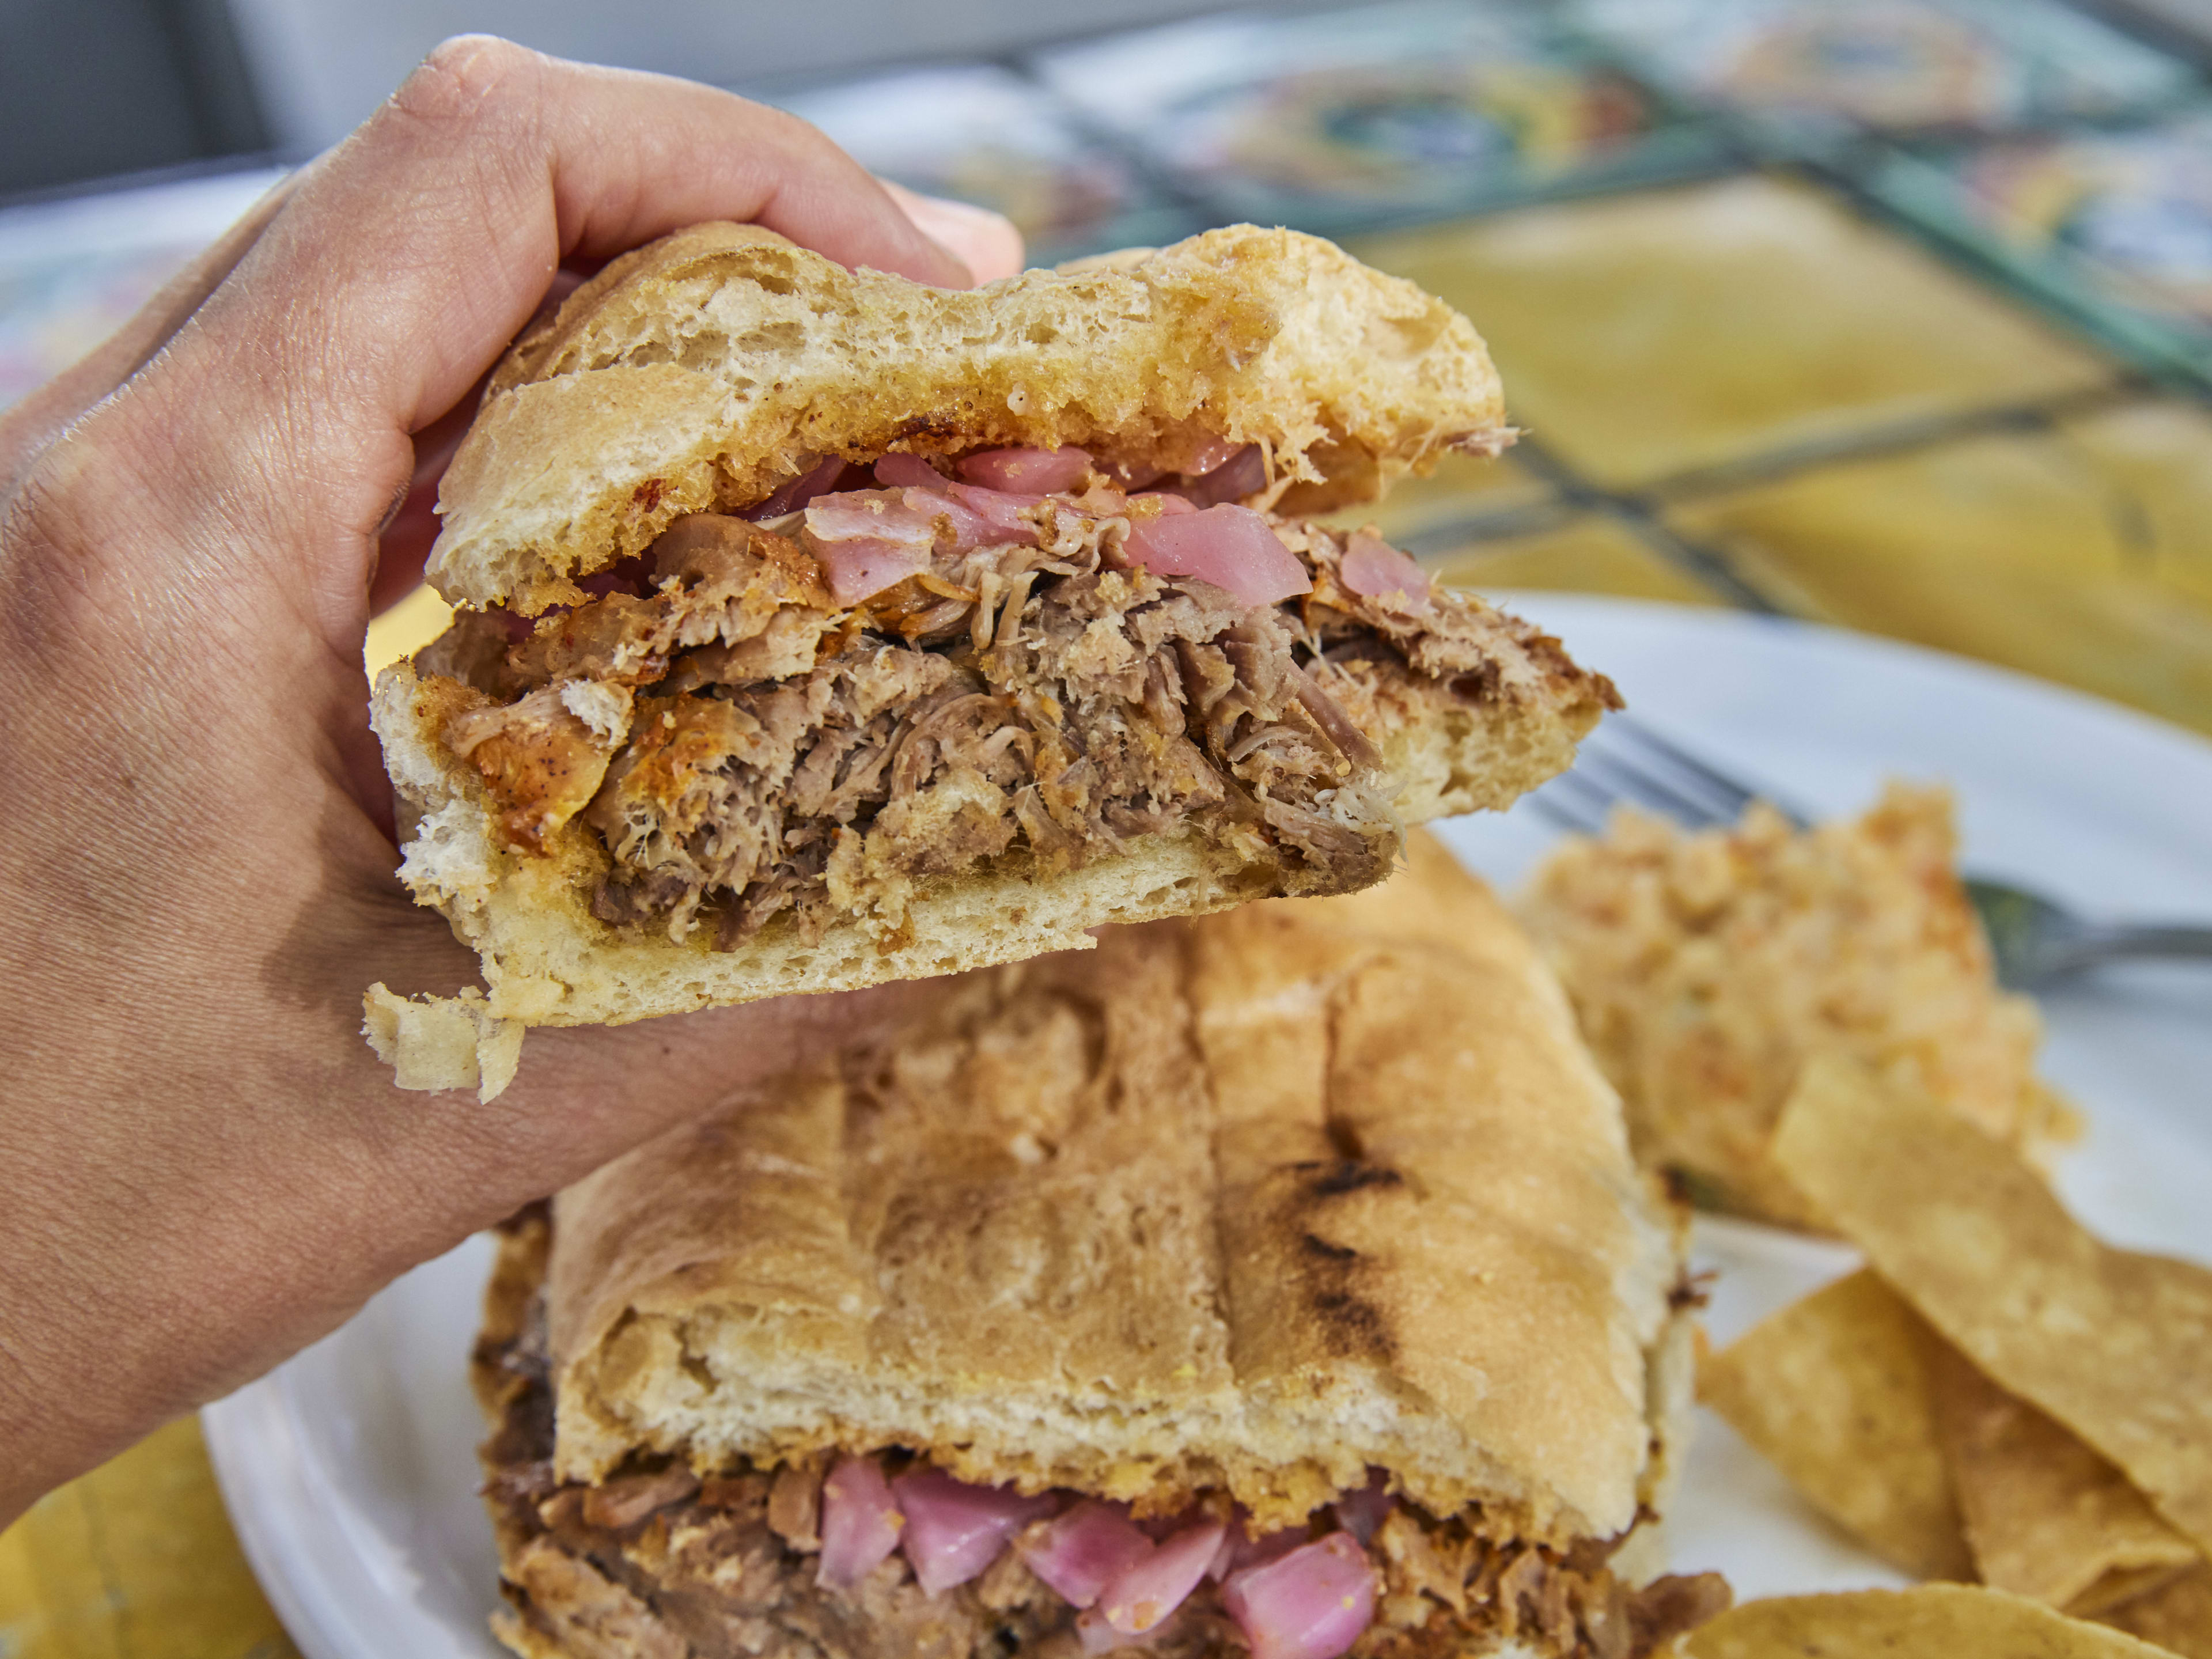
pixel 2034 940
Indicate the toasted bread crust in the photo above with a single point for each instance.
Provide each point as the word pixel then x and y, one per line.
pixel 548 961
pixel 704 370
pixel 1247 1204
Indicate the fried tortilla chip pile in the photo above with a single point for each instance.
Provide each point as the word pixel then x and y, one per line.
pixel 1999 1395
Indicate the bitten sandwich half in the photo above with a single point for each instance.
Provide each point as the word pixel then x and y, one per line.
pixel 823 629
pixel 1274 1280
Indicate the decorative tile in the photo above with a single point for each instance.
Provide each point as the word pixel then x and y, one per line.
pixel 2083 553
pixel 1331 119
pixel 1817 69
pixel 135 1561
pixel 983 134
pixel 1585 553
pixel 1464 489
pixel 1646 335
pixel 2116 224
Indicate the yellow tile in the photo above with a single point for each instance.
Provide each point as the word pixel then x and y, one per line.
pixel 1643 335
pixel 405 628
pixel 1462 486
pixel 2083 553
pixel 1588 554
pixel 135 1561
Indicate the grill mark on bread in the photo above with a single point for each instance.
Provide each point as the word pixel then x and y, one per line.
pixel 1348 1175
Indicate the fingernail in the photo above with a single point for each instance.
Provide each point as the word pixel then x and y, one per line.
pixel 984 242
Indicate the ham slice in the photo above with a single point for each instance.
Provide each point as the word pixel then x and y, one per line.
pixel 1232 547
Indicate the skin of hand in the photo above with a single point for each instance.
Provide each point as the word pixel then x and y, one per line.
pixel 203 1167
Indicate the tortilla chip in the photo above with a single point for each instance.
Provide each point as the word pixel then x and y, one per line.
pixel 2178 1615
pixel 2045 1517
pixel 1833 1391
pixel 1945 1622
pixel 2116 1346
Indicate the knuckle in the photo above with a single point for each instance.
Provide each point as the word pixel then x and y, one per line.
pixel 467 79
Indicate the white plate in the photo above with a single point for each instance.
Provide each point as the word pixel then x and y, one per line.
pixel 350 1473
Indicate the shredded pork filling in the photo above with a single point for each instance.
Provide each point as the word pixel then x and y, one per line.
pixel 662 1562
pixel 811 715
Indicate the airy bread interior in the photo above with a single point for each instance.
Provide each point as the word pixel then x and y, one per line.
pixel 1248 1203
pixel 706 369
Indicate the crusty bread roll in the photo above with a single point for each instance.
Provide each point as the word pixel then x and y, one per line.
pixel 606 807
pixel 703 371
pixel 1231 1210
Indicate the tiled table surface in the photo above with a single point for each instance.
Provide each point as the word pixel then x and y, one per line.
pixel 1750 388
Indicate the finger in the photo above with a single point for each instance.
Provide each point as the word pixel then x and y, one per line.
pixel 400 270
pixel 404 547
pixel 986 242
pixel 32 424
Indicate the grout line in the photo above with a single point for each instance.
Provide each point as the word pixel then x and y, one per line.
pixel 1701 564
pixel 1894 437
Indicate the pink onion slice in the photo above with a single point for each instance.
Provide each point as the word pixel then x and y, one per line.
pixel 816 480
pixel 1362 1513
pixel 1098 1637
pixel 1230 546
pixel 1244 473
pixel 1372 567
pixel 1240 1550
pixel 1034 471
pixel 1156 1584
pixel 902 471
pixel 954 1530
pixel 999 513
pixel 1080 1551
pixel 1170 504
pixel 909 516
pixel 1311 1604
pixel 860 1523
pixel 1213 455
pixel 859 566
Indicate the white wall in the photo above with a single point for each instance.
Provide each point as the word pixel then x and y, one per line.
pixel 320 66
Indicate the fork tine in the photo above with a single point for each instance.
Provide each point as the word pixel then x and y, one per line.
pixel 1573 802
pixel 1649 787
pixel 1735 795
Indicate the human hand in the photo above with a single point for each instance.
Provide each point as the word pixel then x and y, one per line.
pixel 202 1165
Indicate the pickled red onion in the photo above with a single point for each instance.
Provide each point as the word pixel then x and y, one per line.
pixel 1156 1583
pixel 1080 1552
pixel 1312 1604
pixel 902 471
pixel 1372 567
pixel 1230 546
pixel 1362 1513
pixel 1035 471
pixel 954 1530
pixel 860 1523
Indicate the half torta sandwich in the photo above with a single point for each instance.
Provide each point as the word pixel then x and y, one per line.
pixel 1274 1280
pixel 822 628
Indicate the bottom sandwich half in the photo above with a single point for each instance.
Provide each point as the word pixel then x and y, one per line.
pixel 1275 1281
